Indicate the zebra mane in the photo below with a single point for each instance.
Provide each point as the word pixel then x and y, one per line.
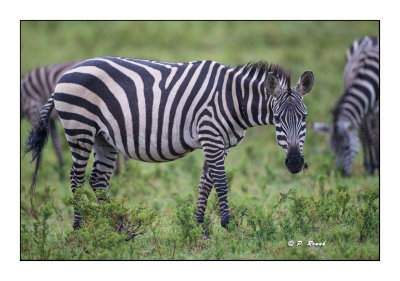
pixel 263 67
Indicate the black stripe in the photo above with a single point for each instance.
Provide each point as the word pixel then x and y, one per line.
pixel 255 101
pixel 74 132
pixel 79 157
pixel 79 118
pixel 76 145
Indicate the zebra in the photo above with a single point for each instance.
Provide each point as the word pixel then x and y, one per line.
pixel 357 109
pixel 37 86
pixel 156 111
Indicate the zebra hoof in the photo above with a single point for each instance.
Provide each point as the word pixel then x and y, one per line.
pixel 205 234
pixel 225 221
pixel 370 169
pixel 131 237
pixel 76 225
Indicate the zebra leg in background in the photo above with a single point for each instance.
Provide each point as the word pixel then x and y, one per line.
pixel 126 166
pixel 105 157
pixel 370 138
pixel 363 137
pixel 117 169
pixel 81 148
pixel 376 140
pixel 366 140
pixel 55 138
pixel 117 165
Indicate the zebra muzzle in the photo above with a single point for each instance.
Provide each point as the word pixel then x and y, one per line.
pixel 294 161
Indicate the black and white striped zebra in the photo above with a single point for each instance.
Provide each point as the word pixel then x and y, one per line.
pixel 37 86
pixel 358 108
pixel 157 111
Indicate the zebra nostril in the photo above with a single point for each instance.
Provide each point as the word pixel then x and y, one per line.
pixel 286 162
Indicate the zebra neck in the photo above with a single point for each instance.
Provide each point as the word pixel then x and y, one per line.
pixel 345 113
pixel 247 101
pixel 352 107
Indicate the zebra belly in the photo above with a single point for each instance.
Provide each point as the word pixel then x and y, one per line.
pixel 151 149
pixel 152 152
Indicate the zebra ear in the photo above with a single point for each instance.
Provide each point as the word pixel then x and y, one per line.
pixel 321 127
pixel 272 85
pixel 305 83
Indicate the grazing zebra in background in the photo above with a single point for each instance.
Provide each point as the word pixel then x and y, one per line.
pixel 158 111
pixel 37 87
pixel 358 108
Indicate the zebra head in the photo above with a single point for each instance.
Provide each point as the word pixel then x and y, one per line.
pixel 289 115
pixel 343 142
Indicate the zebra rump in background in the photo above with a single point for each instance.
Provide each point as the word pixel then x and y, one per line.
pixel 358 108
pixel 37 86
pixel 158 111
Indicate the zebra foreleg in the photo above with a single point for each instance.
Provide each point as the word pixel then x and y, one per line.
pixel 214 158
pixel 205 187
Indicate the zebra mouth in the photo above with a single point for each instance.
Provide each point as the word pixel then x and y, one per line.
pixel 294 168
pixel 294 161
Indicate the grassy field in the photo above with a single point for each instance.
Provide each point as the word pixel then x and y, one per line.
pixel 269 205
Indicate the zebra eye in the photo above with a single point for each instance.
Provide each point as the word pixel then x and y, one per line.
pixel 277 119
pixel 304 118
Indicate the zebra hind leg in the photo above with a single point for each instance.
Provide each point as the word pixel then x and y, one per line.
pixel 105 157
pixel 365 136
pixel 81 147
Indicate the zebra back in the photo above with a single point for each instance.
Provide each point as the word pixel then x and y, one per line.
pixel 361 82
pixel 356 57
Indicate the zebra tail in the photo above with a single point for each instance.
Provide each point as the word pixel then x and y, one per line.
pixel 38 136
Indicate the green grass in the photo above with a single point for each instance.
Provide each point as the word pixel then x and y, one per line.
pixel 269 205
